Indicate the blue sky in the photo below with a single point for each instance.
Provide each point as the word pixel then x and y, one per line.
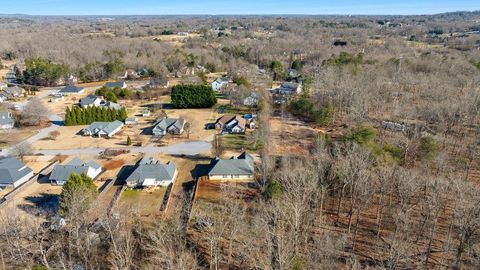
pixel 162 7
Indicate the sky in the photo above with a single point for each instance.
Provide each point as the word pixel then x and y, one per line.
pixel 229 7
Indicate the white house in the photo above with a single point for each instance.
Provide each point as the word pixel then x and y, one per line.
pixel 6 120
pixel 149 172
pixel 219 83
pixel 13 173
pixel 102 129
pixel 231 124
pixel 61 173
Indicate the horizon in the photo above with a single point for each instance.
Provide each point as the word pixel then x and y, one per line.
pixel 233 8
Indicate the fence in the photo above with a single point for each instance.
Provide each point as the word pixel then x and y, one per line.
pixel 7 198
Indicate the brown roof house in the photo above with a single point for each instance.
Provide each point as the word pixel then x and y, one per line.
pixel 232 124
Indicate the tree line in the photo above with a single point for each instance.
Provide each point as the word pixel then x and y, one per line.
pixel 86 116
pixel 193 96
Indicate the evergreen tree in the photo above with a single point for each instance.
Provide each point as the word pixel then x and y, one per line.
pixel 129 141
pixel 123 114
pixel 77 186
pixel 68 117
pixel 103 114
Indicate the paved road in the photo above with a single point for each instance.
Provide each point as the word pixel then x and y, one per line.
pixel 186 148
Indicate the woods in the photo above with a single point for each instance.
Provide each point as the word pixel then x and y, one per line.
pixel 193 96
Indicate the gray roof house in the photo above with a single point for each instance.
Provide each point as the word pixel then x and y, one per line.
pixel 14 91
pixel 218 84
pixel 239 168
pixel 6 120
pixel 289 88
pixel 102 129
pixel 13 173
pixel 97 101
pixel 168 125
pixel 71 89
pixel 61 173
pixel 150 172
pixel 121 84
pixel 251 100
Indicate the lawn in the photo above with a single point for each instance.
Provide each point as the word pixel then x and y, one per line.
pixel 245 141
pixel 145 203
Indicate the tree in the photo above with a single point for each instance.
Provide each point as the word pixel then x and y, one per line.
pixel 40 71
pixel 129 141
pixel 21 150
pixel 297 65
pixel 188 129
pixel 34 114
pixel 77 195
pixel 193 96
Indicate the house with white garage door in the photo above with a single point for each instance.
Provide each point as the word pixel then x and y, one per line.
pixel 62 172
pixel 13 172
pixel 149 172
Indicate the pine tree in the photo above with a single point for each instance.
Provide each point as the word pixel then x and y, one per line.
pixel 68 117
pixel 129 141
pixel 74 117
pixel 104 114
pixel 123 114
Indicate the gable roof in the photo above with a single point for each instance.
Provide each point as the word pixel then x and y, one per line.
pixel 12 170
pixel 150 168
pixel 6 118
pixel 91 99
pixel 88 100
pixel 107 127
pixel 76 165
pixel 13 90
pixel 71 89
pixel 120 84
pixel 241 165
pixel 166 123
pixel 226 119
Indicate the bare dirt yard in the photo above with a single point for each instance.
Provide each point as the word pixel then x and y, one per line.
pixel 144 203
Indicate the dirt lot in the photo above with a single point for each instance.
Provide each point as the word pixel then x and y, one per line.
pixel 175 40
pixel 145 203
pixel 10 137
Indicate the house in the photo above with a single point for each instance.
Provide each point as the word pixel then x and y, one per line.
pixel 293 73
pixel 239 169
pixel 168 125
pixel 71 89
pixel 183 34
pixel 130 74
pixel 3 98
pixel 231 124
pixel 120 84
pixel 145 113
pixel 97 101
pixel 13 173
pixel 102 129
pixel 251 100
pixel 61 173
pixel 131 121
pixel 14 91
pixel 11 77
pixel 289 88
pixel 56 97
pixel 6 120
pixel 219 83
pixel 149 172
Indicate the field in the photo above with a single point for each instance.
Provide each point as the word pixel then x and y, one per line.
pixel 144 203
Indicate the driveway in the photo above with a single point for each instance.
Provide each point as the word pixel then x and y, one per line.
pixel 186 148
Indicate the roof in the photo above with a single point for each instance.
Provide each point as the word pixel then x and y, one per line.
pixel 241 165
pixel 6 118
pixel 13 89
pixel 166 123
pixel 71 89
pixel 88 100
pixel 150 168
pixel 76 165
pixel 290 85
pixel 115 84
pixel 108 127
pixel 229 118
pixel 12 170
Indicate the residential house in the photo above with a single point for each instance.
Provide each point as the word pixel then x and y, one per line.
pixel 131 121
pixel 14 91
pixel 6 120
pixel 168 125
pixel 146 113
pixel 238 169
pixel 120 84
pixel 72 89
pixel 102 129
pixel 149 172
pixel 11 77
pixel 231 124
pixel 251 100
pixel 98 101
pixel 130 74
pixel 3 98
pixel 289 89
pixel 56 97
pixel 61 173
pixel 183 34
pixel 219 84
pixel 13 173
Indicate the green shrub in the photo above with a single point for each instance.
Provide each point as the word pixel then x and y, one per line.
pixel 274 189
pixel 428 148
pixel 193 96
pixel 361 135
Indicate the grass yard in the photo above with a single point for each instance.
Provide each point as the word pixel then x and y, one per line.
pixel 144 203
pixel 240 142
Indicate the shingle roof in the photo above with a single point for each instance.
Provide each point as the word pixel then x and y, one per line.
pixel 6 118
pixel 114 84
pixel 71 89
pixel 150 168
pixel 108 127
pixel 12 170
pixel 76 165
pixel 241 165
pixel 165 123
pixel 90 99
